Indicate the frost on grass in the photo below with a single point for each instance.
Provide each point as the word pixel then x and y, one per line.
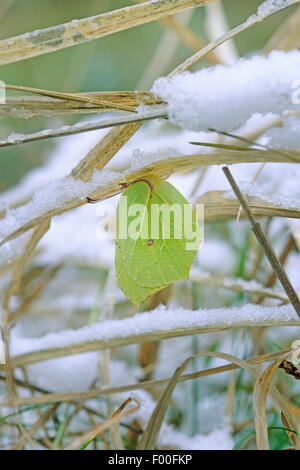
pixel 270 6
pixel 56 195
pixel 224 98
pixel 281 199
pixel 161 319
pixel 67 154
pixel 219 439
pixel 78 373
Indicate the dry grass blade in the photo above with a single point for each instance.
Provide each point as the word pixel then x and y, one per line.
pixel 151 433
pixel 25 107
pixel 261 389
pixel 87 29
pixel 12 289
pixel 100 428
pixel 47 397
pixel 115 342
pixel 69 96
pixel 20 263
pixel 83 127
pixel 236 285
pixel 149 439
pixel 291 435
pixel 36 426
pixel 222 146
pixel 104 150
pixel 218 206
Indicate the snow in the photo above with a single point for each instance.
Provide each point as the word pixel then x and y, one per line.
pixel 54 195
pixel 14 248
pixel 285 137
pixel 219 439
pixel 270 6
pixel 208 258
pixel 66 374
pixel 284 199
pixel 78 373
pixel 246 285
pixel 225 97
pixel 169 437
pixel 79 226
pixel 64 157
pixel 160 319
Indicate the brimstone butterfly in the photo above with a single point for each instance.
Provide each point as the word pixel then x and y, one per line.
pixel 158 246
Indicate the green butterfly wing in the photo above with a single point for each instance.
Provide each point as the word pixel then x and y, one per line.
pixel 133 291
pixel 159 246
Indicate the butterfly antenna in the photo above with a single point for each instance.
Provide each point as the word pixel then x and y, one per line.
pixel 94 201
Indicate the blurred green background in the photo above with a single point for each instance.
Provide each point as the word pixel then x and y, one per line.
pixel 115 62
